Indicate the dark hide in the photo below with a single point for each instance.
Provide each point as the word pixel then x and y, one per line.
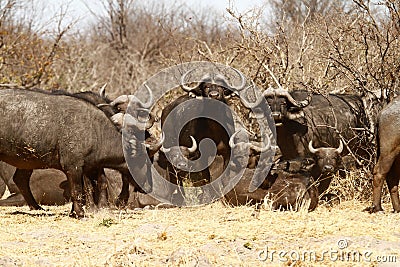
pixel 388 164
pixel 51 131
pixel 283 189
pixel 320 122
pixel 180 161
pixel 200 128
pixel 49 187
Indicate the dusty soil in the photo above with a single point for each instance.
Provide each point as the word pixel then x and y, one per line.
pixel 213 235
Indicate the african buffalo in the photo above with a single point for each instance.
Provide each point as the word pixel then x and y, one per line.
pixel 177 161
pixel 283 189
pixel 301 117
pixel 49 192
pixel 95 181
pixel 50 187
pixel 327 161
pixel 197 108
pixel 42 130
pixel 388 164
pixel 285 186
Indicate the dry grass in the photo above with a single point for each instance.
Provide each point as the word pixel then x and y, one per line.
pixel 211 235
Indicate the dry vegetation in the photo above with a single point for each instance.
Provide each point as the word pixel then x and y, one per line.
pixel 319 45
pixel 213 235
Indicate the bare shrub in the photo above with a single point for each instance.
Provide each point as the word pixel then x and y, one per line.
pixel 27 54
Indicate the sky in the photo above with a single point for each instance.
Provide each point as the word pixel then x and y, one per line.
pixel 79 11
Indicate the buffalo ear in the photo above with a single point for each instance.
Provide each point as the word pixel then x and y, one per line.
pixel 64 185
pixel 307 163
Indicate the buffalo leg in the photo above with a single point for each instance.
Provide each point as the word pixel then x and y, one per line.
pixel 124 195
pixel 16 199
pixel 392 180
pixel 324 182
pixel 381 169
pixel 21 179
pixel 89 189
pixel 313 194
pixel 2 187
pixel 102 190
pixel 75 180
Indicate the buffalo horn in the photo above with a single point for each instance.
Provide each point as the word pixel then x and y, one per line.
pixel 263 148
pixel 183 82
pixel 165 150
pixel 233 88
pixel 339 150
pixel 194 145
pixel 250 105
pixel 311 148
pixel 301 104
pixel 232 139
pixel 102 91
pixel 157 146
pixel 149 103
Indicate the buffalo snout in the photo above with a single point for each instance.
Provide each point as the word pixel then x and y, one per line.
pixel 214 95
pixel 328 169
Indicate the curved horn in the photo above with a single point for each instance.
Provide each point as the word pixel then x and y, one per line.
pixel 234 89
pixel 269 92
pixel 119 100
pixel 208 78
pixel 149 103
pixel 117 119
pixel 103 105
pixel 165 150
pixel 151 121
pixel 183 82
pixel 264 148
pixel 249 105
pixel 300 104
pixel 102 91
pixel 305 102
pixel 339 150
pixel 242 81
pixel 232 139
pixel 311 148
pixel 153 148
pixel 194 145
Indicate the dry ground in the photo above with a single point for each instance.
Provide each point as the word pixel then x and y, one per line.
pixel 213 235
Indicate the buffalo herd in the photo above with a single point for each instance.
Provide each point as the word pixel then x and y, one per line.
pixel 58 147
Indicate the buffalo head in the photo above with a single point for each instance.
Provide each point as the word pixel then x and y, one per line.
pixel 327 158
pixel 244 150
pixel 139 111
pixel 283 106
pixel 214 86
pixel 179 156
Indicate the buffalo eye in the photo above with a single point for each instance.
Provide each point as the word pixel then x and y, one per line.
pixel 294 109
pixel 143 116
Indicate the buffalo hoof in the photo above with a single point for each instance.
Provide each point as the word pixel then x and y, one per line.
pixel 36 207
pixel 92 209
pixel 102 205
pixel 75 215
pixel 121 203
pixel 373 209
